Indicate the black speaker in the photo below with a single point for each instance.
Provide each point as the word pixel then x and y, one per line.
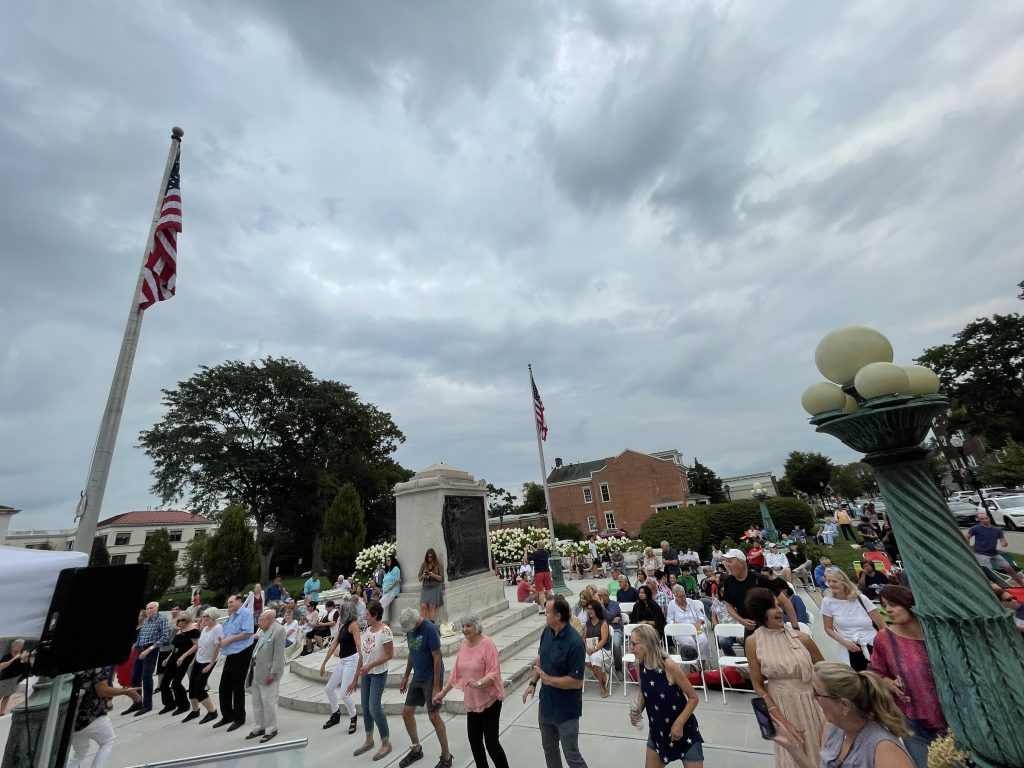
pixel 92 618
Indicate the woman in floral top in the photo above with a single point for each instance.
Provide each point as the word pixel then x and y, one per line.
pixel 477 674
pixel 901 659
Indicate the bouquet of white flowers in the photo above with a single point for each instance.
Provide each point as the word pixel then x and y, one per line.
pixel 370 559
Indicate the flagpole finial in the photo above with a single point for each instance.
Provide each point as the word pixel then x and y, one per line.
pixel 177 133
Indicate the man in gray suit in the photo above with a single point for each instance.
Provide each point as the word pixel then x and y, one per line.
pixel 265 676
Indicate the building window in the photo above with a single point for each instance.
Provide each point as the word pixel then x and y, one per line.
pixel 588 496
pixel 592 523
pixel 122 539
pixel 971 460
pixel 175 552
pixel 175 536
pixel 199 533
pixel 609 520
pixel 70 545
pixel 605 493
pixel 117 559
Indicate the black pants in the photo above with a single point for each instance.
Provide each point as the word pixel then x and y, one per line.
pixel 232 685
pixel 172 689
pixel 197 683
pixel 482 729
pixel 857 660
pixel 848 533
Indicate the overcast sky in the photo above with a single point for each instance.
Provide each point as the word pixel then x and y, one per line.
pixel 662 206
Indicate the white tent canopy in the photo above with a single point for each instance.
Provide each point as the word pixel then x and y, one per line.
pixel 28 578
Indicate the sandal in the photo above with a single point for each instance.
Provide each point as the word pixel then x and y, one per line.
pixel 352 725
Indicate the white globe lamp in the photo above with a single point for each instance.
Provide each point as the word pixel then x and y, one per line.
pixel 922 380
pixel 822 396
pixel 880 379
pixel 845 351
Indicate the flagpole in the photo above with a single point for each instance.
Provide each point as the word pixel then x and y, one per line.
pixel 88 511
pixel 558 579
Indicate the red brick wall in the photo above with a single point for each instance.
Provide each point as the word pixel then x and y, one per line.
pixel 635 482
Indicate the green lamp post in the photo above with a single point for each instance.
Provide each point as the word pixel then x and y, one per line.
pixel 770 532
pixel 977 655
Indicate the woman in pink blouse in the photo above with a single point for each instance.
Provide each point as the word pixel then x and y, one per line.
pixel 478 675
pixel 901 659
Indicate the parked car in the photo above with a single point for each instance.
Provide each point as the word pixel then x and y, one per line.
pixel 963 512
pixel 613 533
pixel 1006 511
pixel 962 496
pixel 991 493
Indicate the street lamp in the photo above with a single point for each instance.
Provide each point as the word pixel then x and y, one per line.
pixel 728 493
pixel 767 524
pixel 885 411
pixel 957 441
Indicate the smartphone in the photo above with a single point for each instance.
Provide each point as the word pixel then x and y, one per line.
pixel 764 720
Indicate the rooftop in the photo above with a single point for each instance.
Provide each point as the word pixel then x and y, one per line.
pixel 155 517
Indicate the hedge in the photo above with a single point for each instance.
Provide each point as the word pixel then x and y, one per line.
pixel 702 526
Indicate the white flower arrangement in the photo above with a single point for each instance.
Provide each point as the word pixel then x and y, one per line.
pixel 370 559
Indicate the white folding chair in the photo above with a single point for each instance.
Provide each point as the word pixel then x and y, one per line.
pixel 805 628
pixel 628 657
pixel 687 630
pixel 736 632
pixel 608 667
pixel 626 608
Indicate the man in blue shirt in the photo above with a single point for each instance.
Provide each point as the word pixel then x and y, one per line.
pixel 559 666
pixel 427 669
pixel 275 592
pixel 236 648
pixel 311 589
pixel 819 573
pixel 987 540
pixel 153 633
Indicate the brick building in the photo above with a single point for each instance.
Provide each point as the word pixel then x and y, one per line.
pixel 618 492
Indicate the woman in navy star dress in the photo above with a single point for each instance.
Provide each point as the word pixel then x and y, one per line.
pixel 669 699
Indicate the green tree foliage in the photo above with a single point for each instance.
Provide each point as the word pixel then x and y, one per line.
pixel 157 552
pixel 703 526
pixel 938 466
pixel 852 480
pixel 1005 466
pixel 230 562
pixel 982 370
pixel 99 554
pixel 500 502
pixel 193 557
pixel 785 487
pixel 533 500
pixel 702 479
pixel 273 438
pixel 808 472
pixel 344 531
pixel 568 531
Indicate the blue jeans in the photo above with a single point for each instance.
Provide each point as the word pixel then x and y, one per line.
pixel 371 689
pixel 142 674
pixel 917 745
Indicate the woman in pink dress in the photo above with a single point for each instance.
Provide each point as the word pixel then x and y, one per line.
pixel 477 674
pixel 901 659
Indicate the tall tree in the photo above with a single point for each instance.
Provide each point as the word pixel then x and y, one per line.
pixel 533 500
pixel 273 438
pixel 99 555
pixel 190 566
pixel 500 502
pixel 702 479
pixel 1005 466
pixel 808 472
pixel 852 480
pixel 344 531
pixel 230 559
pixel 157 552
pixel 982 370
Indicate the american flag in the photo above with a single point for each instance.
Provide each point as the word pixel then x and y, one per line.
pixel 538 410
pixel 159 273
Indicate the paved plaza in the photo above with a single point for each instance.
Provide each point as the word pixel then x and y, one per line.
pixel 731 735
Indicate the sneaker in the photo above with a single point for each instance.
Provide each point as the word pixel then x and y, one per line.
pixel 442 763
pixel 333 720
pixel 414 754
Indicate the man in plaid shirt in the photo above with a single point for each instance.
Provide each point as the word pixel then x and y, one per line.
pixel 154 633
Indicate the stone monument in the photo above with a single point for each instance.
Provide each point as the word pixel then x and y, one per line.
pixel 444 507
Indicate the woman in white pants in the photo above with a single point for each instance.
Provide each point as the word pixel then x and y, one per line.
pixel 91 722
pixel 346 643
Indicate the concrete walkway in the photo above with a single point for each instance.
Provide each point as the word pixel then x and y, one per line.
pixel 732 739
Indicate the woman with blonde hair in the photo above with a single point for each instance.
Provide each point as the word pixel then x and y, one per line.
pixel 864 724
pixel 431 576
pixel 850 618
pixel 674 734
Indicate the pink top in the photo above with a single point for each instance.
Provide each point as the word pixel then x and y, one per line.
pixel 474 664
pixel 895 656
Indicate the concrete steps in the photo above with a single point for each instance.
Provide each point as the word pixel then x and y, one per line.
pixel 515 631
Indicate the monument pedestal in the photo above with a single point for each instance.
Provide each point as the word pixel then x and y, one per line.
pixel 443 508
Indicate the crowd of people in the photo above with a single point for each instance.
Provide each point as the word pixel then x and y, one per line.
pixel 878 708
